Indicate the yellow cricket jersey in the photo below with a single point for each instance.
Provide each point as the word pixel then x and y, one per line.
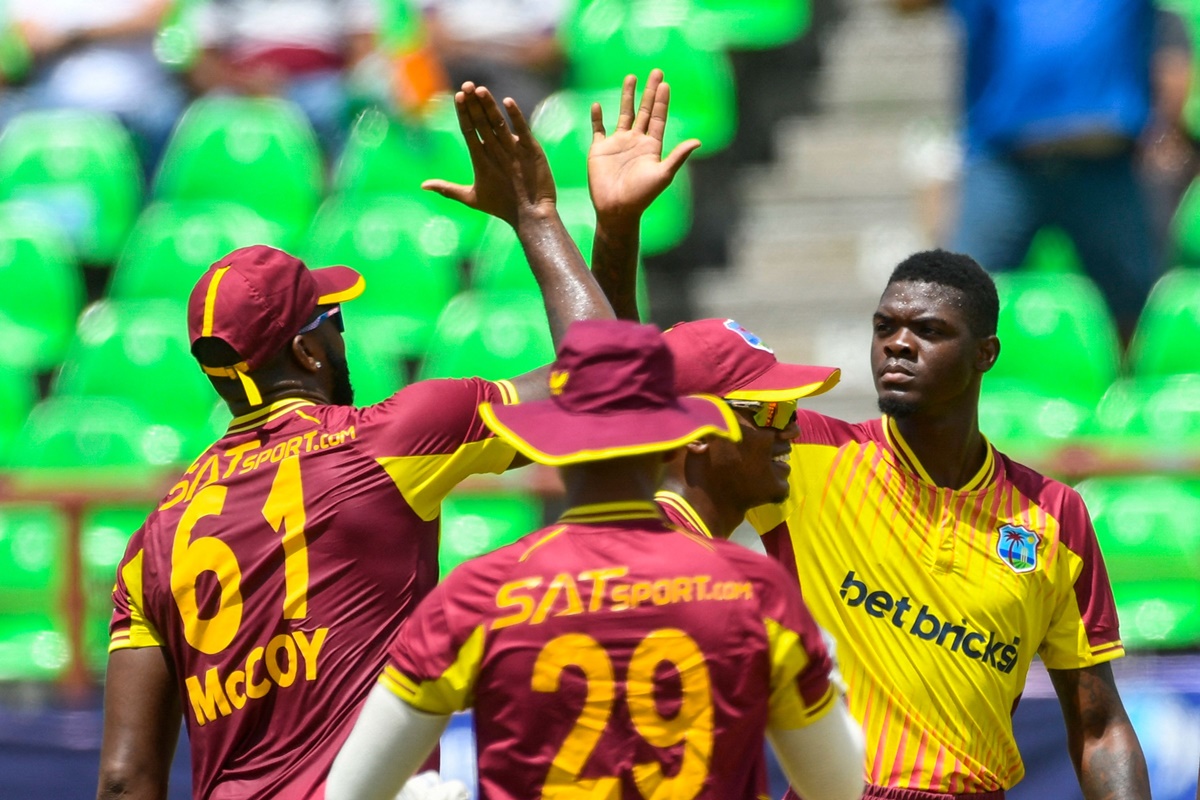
pixel 938 598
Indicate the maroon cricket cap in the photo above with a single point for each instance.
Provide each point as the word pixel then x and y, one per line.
pixel 256 299
pixel 719 356
pixel 612 394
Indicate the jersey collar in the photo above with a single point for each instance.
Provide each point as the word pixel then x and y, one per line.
pixel 908 459
pixel 261 416
pixel 621 511
pixel 684 510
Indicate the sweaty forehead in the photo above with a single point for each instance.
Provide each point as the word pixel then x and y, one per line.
pixel 911 299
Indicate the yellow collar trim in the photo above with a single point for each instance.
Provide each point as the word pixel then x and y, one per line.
pixel 902 448
pixel 612 512
pixel 267 413
pixel 685 509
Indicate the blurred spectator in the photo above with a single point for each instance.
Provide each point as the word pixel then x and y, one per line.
pixel 1056 96
pixel 301 50
pixel 97 56
pixel 1169 157
pixel 509 45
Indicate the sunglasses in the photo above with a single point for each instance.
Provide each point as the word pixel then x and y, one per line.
pixel 768 415
pixel 334 313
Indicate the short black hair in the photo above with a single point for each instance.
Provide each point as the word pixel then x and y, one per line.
pixel 957 271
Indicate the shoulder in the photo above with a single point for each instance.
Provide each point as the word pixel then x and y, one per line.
pixel 767 574
pixel 431 413
pixel 817 428
pixel 1056 499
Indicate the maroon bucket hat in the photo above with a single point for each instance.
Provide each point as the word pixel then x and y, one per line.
pixel 719 356
pixel 612 394
pixel 256 299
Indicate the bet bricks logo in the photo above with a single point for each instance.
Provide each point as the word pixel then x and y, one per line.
pixel 749 337
pixel 1017 547
pixel 986 648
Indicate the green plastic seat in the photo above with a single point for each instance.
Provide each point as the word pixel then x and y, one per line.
pixel 17 396
pixel 138 350
pixel 1164 342
pixel 562 124
pixel 1149 532
pixel 1052 251
pixel 387 156
pixel 1057 334
pixel 474 524
pixel 608 39
pixel 1157 416
pixel 408 255
pixel 96 432
pixel 41 291
pixel 258 152
pixel 105 532
pixel 33 631
pixel 489 335
pixel 1185 227
pixel 82 168
pixel 1021 418
pixel 750 24
pixel 172 244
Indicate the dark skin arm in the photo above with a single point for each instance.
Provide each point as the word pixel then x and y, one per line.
pixel 141 725
pixel 1103 746
pixel 513 182
pixel 626 172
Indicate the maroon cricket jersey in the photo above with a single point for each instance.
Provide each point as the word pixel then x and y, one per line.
pixel 277 569
pixel 614 655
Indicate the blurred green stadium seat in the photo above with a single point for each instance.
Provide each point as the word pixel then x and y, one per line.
pixel 562 125
pixel 17 396
pixel 33 632
pixel 96 432
pixel 474 524
pixel 609 39
pixel 489 335
pixel 105 531
pixel 1185 228
pixel 172 244
pixel 1024 418
pixel 379 367
pixel 1057 334
pixel 1052 251
pixel 1149 532
pixel 82 168
pixel 138 350
pixel 408 255
pixel 1168 330
pixel 1153 416
pixel 749 24
pixel 386 156
pixel 40 289
pixel 259 152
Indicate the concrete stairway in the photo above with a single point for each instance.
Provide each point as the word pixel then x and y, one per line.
pixel 823 226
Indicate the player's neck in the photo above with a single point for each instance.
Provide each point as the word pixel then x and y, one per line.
pixel 720 518
pixel 948 445
pixel 590 484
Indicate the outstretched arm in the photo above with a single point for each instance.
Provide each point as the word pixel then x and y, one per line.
pixel 513 182
pixel 626 171
pixel 1103 746
pixel 141 725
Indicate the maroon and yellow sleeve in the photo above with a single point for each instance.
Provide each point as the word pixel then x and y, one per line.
pixel 434 661
pixel 1084 630
pixel 129 627
pixel 429 437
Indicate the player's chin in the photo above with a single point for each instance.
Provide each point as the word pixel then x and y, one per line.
pixel 898 404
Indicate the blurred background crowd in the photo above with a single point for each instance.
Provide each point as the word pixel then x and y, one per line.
pixel 140 140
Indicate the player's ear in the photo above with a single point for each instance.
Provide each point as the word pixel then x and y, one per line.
pixel 699 446
pixel 988 352
pixel 307 352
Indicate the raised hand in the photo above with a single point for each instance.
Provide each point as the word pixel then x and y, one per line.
pixel 512 176
pixel 626 170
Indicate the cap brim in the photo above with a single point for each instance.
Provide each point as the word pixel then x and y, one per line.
pixel 337 284
pixel 788 382
pixel 546 433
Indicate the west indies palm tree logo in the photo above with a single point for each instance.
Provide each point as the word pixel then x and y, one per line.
pixel 1017 547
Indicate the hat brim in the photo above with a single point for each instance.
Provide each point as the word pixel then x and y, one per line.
pixel 788 382
pixel 337 284
pixel 546 433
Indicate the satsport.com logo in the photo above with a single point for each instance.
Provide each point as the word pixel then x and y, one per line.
pixel 1017 547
